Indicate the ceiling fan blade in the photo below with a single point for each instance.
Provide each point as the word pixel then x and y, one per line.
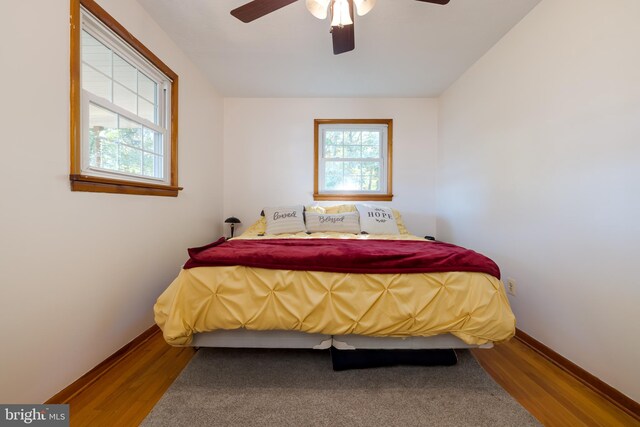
pixel 258 8
pixel 344 38
pixel 435 1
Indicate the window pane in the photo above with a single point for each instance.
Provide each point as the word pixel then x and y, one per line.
pixel 352 138
pixel 370 138
pixel 103 152
pixel 152 165
pixel 95 54
pixel 371 151
pixel 351 183
pixel 375 184
pixel 333 137
pixel 124 98
pixel 95 82
pixel 101 122
pixel 334 152
pixel 352 168
pixel 152 141
pixel 99 117
pixel 130 133
pixel 130 160
pixel 146 110
pixel 124 73
pixel 352 176
pixel 116 143
pixel 370 176
pixel 333 174
pixel 147 88
pixel 353 151
pixel 365 183
pixel 106 155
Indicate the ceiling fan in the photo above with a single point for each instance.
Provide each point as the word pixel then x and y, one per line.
pixel 341 12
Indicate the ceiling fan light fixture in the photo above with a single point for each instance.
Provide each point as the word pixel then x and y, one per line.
pixel 340 13
pixel 318 8
pixel 364 6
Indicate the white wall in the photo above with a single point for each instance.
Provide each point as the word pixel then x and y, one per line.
pixel 268 152
pixel 80 272
pixel 539 160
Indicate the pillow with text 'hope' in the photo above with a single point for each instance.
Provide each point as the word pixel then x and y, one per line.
pixel 377 220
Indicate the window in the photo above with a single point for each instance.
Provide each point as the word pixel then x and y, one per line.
pixel 353 159
pixel 123 110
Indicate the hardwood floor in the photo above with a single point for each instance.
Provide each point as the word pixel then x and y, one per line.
pixel 549 393
pixel 125 394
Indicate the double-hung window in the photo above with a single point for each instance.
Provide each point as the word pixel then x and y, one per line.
pixel 353 159
pixel 124 114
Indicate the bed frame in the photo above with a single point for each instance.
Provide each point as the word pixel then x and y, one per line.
pixel 242 338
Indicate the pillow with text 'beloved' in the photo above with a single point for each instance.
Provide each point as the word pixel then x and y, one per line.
pixel 284 219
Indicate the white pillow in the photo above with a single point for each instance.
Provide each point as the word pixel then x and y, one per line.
pixel 341 223
pixel 377 220
pixel 284 219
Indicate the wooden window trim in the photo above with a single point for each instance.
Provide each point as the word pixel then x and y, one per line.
pixel 80 182
pixel 388 196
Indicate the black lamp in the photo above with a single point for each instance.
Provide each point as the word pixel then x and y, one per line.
pixel 232 221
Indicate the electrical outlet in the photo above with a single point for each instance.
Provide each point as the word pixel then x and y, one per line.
pixel 511 286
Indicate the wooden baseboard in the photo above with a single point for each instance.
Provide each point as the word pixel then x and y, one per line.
pixel 75 388
pixel 619 399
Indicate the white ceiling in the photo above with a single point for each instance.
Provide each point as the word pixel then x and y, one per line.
pixel 404 48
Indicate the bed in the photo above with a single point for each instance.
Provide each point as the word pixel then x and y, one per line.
pixel 241 302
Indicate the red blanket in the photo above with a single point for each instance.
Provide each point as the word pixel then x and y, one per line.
pixel 342 255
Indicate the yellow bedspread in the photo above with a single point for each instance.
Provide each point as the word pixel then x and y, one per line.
pixel 471 306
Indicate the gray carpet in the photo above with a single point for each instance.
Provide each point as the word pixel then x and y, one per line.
pixel 251 387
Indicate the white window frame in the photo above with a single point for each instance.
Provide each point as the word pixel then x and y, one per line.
pixel 106 36
pixel 384 126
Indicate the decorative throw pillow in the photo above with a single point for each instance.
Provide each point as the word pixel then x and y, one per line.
pixel 340 209
pixel 314 208
pixel 341 223
pixel 284 219
pixel 352 208
pixel 377 220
